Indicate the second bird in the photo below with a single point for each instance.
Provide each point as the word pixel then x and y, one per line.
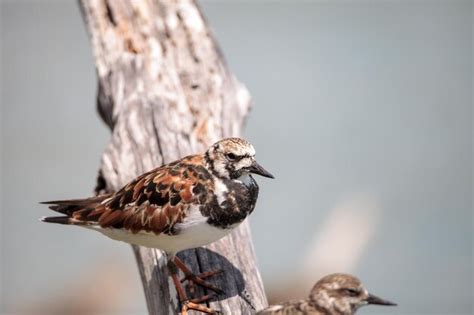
pixel 335 294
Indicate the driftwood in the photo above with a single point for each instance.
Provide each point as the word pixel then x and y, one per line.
pixel 165 91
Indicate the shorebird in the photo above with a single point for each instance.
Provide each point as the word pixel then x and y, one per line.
pixel 335 294
pixel 188 203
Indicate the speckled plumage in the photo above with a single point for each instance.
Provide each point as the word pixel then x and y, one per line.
pixel 335 294
pixel 167 207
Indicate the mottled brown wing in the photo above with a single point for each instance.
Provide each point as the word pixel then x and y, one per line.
pixel 155 201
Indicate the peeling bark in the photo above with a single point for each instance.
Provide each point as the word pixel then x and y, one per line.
pixel 166 92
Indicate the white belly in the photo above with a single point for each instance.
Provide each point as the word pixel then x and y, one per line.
pixel 193 232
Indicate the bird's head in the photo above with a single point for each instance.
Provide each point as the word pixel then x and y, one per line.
pixel 343 294
pixel 231 158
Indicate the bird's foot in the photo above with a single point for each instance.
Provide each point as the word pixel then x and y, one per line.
pixel 192 305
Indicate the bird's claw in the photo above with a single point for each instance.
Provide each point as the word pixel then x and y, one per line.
pixel 191 305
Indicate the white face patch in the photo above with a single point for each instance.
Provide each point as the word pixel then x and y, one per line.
pixel 220 167
pixel 243 163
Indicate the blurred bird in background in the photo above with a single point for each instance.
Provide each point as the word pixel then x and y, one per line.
pixel 335 294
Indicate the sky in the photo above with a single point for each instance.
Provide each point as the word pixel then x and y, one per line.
pixel 362 110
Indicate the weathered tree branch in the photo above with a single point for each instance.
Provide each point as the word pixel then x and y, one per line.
pixel 165 92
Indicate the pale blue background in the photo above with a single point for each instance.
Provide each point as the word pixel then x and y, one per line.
pixel 351 97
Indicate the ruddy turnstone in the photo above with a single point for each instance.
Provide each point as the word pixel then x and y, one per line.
pixel 185 204
pixel 335 294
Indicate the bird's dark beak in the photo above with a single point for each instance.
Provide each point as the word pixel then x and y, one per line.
pixel 373 299
pixel 259 170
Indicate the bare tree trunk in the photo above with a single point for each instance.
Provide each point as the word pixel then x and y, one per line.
pixel 165 92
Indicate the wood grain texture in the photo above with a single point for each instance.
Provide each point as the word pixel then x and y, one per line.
pixel 165 91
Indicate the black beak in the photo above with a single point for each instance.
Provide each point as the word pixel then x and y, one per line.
pixel 373 299
pixel 258 169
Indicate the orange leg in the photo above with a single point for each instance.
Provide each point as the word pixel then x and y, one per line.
pixel 204 275
pixel 191 286
pixel 197 279
pixel 188 304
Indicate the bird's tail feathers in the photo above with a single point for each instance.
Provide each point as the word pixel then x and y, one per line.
pixel 58 219
pixel 76 211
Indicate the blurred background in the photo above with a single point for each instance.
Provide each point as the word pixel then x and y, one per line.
pixel 362 110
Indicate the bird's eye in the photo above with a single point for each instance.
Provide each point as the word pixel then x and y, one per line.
pixel 351 292
pixel 231 156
